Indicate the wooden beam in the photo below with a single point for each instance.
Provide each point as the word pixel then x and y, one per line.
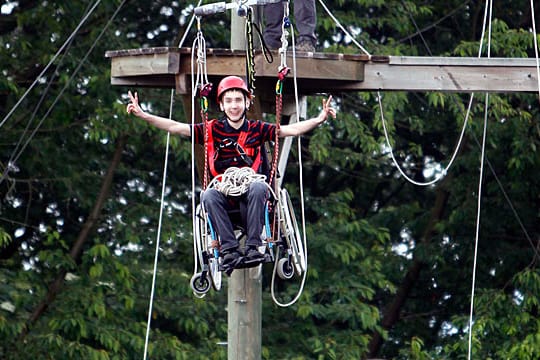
pixel 451 74
pixel 328 73
pixel 171 68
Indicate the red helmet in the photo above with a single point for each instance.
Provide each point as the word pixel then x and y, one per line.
pixel 232 82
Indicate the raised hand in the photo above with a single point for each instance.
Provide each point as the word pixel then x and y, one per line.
pixel 133 107
pixel 327 109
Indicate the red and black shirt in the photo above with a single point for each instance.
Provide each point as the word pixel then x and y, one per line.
pixel 224 137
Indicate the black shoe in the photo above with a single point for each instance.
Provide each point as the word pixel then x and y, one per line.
pixel 231 258
pixel 253 255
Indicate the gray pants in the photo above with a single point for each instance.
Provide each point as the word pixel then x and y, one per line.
pixel 305 20
pixel 251 206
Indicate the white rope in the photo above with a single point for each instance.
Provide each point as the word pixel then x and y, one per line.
pixel 488 8
pixel 465 122
pixel 445 170
pixel 476 239
pixel 343 28
pixel 36 81
pixel 301 184
pixel 18 152
pixel 199 49
pixel 158 235
pixel 236 181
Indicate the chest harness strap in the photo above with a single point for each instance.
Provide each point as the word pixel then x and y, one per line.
pixel 246 154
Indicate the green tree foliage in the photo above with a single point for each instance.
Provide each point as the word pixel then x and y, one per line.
pixel 390 263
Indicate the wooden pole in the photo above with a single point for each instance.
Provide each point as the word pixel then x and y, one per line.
pixel 244 291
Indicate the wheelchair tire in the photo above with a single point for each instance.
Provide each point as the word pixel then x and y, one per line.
pixel 199 284
pixel 285 270
pixel 215 274
pixel 200 235
pixel 205 252
pixel 292 233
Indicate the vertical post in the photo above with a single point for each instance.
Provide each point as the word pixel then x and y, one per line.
pixel 245 285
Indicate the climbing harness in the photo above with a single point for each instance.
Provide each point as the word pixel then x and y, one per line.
pixel 244 152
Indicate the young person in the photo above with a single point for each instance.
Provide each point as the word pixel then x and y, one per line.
pixel 225 133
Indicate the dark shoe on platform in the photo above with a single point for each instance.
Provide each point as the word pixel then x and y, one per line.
pixel 305 46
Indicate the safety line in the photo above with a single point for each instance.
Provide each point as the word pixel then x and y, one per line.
pixel 477 233
pixel 196 49
pixel 158 235
pixel 445 170
pixel 16 157
pixel 483 156
pixel 50 63
pixel 343 28
pixel 301 185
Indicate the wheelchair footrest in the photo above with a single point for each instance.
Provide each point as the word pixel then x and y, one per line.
pixel 244 263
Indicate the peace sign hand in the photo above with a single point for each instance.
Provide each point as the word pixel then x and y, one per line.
pixel 327 109
pixel 133 106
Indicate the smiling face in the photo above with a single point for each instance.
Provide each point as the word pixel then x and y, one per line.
pixel 234 104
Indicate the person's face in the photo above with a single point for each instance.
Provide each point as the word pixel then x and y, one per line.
pixel 233 104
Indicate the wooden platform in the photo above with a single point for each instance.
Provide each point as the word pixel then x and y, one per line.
pixel 165 67
pixel 171 68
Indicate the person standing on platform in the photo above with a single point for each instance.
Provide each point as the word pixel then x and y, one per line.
pixel 305 16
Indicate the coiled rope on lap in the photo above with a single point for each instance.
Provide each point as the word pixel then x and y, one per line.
pixel 236 181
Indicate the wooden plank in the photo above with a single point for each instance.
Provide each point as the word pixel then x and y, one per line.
pixel 128 67
pixel 328 73
pixel 313 68
pixel 145 64
pixel 449 77
pixel 462 61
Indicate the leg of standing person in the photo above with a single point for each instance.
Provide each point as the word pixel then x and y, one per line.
pixel 305 18
pixel 273 18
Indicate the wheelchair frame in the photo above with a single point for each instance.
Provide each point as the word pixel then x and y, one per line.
pixel 285 248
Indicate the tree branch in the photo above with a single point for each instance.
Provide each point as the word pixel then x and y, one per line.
pixel 391 315
pixel 56 285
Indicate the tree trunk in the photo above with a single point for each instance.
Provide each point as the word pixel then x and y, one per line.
pixel 56 285
pixel 391 315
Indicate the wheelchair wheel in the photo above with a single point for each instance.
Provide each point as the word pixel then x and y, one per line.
pixel 199 236
pixel 199 284
pixel 285 269
pixel 213 269
pixel 292 233
pixel 205 252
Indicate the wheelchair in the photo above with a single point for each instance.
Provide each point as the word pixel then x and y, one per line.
pixel 282 244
